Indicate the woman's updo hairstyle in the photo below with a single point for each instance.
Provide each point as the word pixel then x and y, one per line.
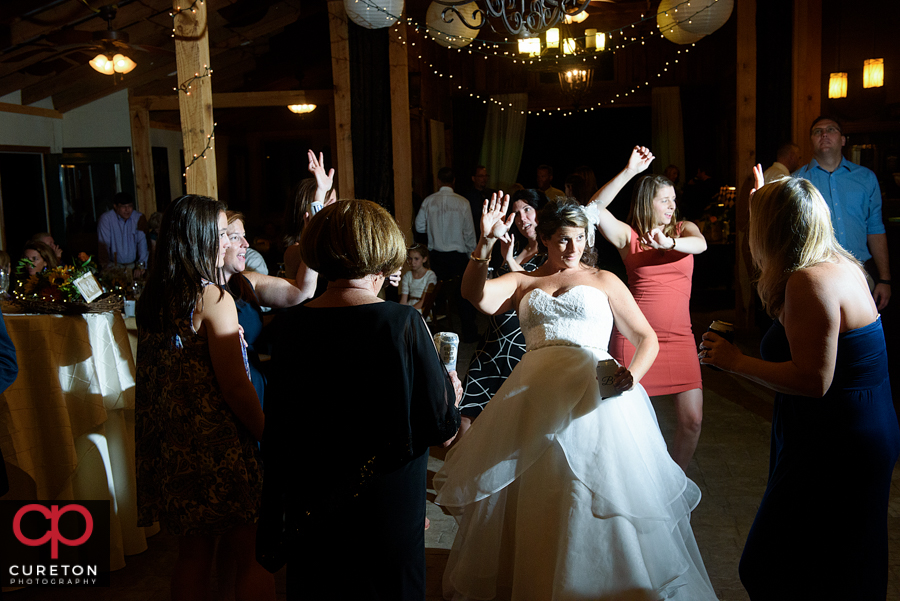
pixel 564 212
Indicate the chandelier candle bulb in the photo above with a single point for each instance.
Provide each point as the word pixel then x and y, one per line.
pixel 553 38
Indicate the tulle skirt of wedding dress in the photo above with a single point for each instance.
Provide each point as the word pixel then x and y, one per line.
pixel 561 495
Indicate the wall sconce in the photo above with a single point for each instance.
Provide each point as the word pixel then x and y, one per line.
pixel 108 66
pixel 873 73
pixel 301 108
pixel 837 85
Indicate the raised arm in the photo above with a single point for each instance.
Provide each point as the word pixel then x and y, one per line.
pixel 277 293
pixel 324 179
pixel 219 318
pixel 640 159
pixel 494 296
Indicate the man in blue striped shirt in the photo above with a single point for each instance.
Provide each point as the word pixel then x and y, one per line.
pixel 854 197
pixel 120 235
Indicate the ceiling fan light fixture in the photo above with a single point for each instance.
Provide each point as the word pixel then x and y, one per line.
pixel 102 64
pixel 123 64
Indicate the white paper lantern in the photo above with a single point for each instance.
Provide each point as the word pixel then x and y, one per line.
pixel 705 16
pixel 373 14
pixel 454 34
pixel 668 18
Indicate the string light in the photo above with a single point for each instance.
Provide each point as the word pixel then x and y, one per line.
pixel 491 47
pixel 178 10
pixel 202 155
pixel 186 86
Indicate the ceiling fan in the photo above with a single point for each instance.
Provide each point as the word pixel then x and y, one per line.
pixel 111 50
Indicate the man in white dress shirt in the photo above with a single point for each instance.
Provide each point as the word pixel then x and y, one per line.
pixel 787 161
pixel 447 218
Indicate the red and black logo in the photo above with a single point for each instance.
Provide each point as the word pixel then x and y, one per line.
pixel 54 543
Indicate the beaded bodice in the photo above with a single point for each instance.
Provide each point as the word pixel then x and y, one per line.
pixel 578 317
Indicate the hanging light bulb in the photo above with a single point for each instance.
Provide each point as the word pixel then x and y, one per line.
pixel 873 73
pixel 837 85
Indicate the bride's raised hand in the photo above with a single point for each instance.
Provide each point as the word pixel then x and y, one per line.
pixel 640 159
pixel 494 222
pixel 324 180
pixel 758 179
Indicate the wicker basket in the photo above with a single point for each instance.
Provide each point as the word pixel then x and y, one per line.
pixel 109 301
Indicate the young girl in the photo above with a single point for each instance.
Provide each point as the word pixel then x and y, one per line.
pixel 415 281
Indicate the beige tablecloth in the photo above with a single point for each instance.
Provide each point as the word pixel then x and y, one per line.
pixel 67 423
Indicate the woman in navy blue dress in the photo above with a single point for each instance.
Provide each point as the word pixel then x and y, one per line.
pixel 252 291
pixel 821 529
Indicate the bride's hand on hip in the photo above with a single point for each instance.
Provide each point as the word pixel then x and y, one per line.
pixel 494 222
pixel 622 379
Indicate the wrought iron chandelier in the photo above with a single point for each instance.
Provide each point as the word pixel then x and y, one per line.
pixel 519 17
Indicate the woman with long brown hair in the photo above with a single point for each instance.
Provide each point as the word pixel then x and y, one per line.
pixel 658 251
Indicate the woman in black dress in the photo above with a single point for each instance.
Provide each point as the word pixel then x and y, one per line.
pixel 821 529
pixel 357 395
pixel 502 346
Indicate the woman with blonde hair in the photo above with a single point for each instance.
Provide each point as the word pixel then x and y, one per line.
pixel 821 528
pixel 658 251
pixel 367 371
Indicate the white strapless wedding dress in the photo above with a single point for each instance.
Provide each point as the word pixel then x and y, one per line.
pixel 561 495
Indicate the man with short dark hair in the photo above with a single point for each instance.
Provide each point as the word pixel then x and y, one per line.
pixel 478 194
pixel 787 161
pixel 120 238
pixel 544 179
pixel 447 218
pixel 854 197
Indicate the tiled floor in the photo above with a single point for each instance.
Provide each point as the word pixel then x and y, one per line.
pixel 730 467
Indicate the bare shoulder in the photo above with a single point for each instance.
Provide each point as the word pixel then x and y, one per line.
pixel 609 282
pixel 214 302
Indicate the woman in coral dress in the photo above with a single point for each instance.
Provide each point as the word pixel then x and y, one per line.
pixel 658 252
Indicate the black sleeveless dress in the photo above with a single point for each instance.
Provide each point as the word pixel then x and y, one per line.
pixel 821 529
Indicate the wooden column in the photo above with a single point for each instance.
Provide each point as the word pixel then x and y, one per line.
pixel 192 56
pixel 806 71
pixel 340 68
pixel 402 143
pixel 142 155
pixel 745 141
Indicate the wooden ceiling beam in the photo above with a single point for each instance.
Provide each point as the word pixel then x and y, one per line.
pixel 227 100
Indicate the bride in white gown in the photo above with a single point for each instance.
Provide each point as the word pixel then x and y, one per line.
pixel 561 494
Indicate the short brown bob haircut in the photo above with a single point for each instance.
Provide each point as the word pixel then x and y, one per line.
pixel 351 239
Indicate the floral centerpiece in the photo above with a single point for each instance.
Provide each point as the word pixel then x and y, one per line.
pixel 58 289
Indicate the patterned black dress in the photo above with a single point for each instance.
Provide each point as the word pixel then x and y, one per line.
pixel 499 351
pixel 198 467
